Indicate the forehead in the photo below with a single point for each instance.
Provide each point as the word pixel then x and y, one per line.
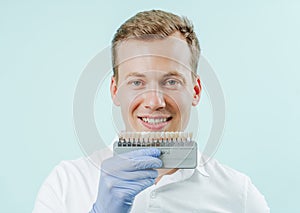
pixel 169 53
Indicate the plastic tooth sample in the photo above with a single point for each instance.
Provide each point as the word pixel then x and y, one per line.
pixel 177 148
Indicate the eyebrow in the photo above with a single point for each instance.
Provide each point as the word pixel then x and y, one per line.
pixel 135 74
pixel 175 74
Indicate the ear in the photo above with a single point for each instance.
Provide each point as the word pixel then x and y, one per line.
pixel 196 91
pixel 114 90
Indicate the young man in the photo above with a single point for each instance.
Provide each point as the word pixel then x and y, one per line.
pixel 155 58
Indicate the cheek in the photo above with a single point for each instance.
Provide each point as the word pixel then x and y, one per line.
pixel 124 96
pixel 129 103
pixel 182 101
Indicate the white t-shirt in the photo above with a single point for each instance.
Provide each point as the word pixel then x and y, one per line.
pixel 72 187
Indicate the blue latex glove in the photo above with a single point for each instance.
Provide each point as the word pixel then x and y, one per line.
pixel 123 177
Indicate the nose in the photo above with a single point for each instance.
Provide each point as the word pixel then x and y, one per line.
pixel 154 100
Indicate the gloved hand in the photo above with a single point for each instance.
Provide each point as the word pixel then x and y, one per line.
pixel 123 177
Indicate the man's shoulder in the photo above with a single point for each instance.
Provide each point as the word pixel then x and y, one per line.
pixel 215 168
pixel 71 185
pixel 236 185
pixel 225 177
pixel 71 171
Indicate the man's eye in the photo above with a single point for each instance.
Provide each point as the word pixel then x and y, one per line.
pixel 172 83
pixel 135 83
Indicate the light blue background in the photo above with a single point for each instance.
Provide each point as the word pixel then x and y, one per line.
pixel 252 45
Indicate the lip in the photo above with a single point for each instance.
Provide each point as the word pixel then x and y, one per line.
pixel 154 127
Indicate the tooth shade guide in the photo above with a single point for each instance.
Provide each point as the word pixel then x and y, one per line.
pixel 154 138
pixel 177 148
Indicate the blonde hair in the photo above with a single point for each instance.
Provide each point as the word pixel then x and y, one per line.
pixel 156 24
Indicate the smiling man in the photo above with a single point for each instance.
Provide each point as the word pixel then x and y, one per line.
pixel 155 84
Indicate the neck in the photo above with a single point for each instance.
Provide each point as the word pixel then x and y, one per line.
pixel 162 172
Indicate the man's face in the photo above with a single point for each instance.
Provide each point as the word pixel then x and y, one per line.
pixel 155 89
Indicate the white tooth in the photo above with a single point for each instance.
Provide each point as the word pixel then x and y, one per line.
pixel 172 135
pixel 167 135
pixel 181 136
pixel 176 135
pixel 154 120
pixel 190 136
pixel 148 136
pixel 151 136
pixel 158 135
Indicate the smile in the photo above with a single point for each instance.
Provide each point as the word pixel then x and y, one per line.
pixel 155 122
